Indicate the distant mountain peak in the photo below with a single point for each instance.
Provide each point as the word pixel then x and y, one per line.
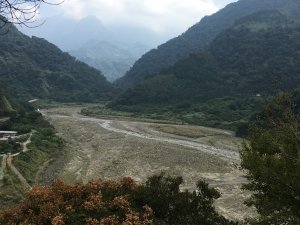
pixel 113 59
pixel 91 21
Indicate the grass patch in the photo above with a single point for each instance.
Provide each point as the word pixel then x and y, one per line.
pixel 11 192
pixel 186 131
pixel 225 113
pixel 45 145
pixel 104 111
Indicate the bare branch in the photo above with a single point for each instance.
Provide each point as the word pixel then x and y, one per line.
pixel 22 12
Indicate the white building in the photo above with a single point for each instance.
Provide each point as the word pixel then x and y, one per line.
pixel 7 134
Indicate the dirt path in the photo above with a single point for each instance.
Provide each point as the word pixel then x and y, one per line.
pixel 7 164
pixel 2 168
pixel 14 170
pixel 27 142
pixel 111 149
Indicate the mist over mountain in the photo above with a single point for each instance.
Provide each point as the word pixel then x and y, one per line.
pixel 112 50
pixel 71 34
pixel 114 60
pixel 199 36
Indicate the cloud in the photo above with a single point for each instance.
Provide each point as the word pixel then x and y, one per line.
pixel 158 15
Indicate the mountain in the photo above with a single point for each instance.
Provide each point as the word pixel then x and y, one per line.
pixel 114 60
pixel 68 33
pixel 111 49
pixel 255 58
pixel 71 34
pixel 199 36
pixel 35 68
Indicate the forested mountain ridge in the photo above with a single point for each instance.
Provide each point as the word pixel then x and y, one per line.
pixel 258 56
pixel 33 67
pixel 199 36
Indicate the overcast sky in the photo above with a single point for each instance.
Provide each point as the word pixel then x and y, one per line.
pixel 158 15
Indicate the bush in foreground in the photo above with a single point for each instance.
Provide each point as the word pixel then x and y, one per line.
pixel 159 202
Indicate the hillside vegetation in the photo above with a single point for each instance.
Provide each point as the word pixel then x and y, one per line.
pixel 5 105
pixel 159 201
pixel 35 68
pixel 223 85
pixel 199 36
pixel 43 146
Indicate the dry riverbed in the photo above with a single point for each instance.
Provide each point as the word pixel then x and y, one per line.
pixel 110 149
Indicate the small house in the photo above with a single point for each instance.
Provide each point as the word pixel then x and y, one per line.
pixel 8 134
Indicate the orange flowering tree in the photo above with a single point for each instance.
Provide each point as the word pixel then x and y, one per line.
pixel 159 201
pixel 95 203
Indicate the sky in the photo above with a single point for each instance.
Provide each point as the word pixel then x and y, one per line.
pixel 158 15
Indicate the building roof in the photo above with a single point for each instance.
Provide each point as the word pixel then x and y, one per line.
pixel 8 132
pixel 33 100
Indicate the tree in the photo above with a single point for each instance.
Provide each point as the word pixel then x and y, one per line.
pixel 158 202
pixel 20 12
pixel 94 203
pixel 272 161
pixel 170 205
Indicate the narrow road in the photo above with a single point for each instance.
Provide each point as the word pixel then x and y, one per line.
pixel 7 164
pixel 25 144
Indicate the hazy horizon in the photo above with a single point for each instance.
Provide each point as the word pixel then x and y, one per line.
pixel 155 20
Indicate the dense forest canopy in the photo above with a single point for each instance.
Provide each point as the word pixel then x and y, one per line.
pixel 35 68
pixel 199 36
pixel 257 57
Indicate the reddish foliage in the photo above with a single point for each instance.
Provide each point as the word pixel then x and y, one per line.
pixel 95 203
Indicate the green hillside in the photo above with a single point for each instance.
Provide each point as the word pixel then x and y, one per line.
pixel 255 58
pixel 199 36
pixel 5 105
pixel 35 68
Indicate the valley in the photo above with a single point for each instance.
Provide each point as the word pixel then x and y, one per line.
pixel 114 148
pixel 203 129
